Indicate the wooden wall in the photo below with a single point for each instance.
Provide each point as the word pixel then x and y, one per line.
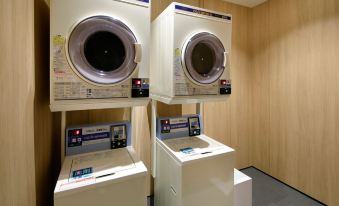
pixel 229 122
pixel 294 55
pixel 17 172
pixel 46 123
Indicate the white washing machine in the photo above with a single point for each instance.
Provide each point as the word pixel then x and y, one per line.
pixel 99 51
pixel 101 168
pixel 191 168
pixel 190 55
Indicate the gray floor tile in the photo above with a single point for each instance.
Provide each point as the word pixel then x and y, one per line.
pixel 267 191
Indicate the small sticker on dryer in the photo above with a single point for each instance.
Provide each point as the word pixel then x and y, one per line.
pixel 59 40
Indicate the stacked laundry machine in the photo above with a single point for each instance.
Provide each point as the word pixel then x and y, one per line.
pixel 190 63
pixel 99 59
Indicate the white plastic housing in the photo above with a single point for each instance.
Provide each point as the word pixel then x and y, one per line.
pixel 119 178
pixel 65 15
pixel 170 31
pixel 205 178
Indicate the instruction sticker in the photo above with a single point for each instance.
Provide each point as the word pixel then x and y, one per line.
pixel 59 40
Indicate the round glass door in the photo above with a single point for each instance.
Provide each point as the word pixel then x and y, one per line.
pixel 204 58
pixel 102 50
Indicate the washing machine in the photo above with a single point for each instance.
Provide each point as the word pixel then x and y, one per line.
pixel 101 168
pixel 99 52
pixel 192 169
pixel 190 55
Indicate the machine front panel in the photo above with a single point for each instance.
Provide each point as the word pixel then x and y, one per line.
pixel 175 127
pixel 201 52
pixel 92 138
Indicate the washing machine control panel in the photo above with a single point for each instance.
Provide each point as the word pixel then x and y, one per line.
pixel 140 87
pixel 97 137
pixel 225 87
pixel 172 127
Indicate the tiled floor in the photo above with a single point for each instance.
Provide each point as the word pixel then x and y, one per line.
pixel 269 192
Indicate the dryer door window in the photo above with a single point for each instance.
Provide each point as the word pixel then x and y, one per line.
pixel 204 58
pixel 102 50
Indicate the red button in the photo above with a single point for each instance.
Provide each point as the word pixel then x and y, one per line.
pixel 223 82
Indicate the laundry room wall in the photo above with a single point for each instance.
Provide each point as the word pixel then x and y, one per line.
pixel 295 92
pixel 46 124
pixel 229 122
pixel 17 171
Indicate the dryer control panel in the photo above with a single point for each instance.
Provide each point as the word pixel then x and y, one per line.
pixel 225 86
pixel 140 87
pixel 97 137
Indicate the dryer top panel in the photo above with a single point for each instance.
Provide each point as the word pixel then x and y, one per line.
pixel 191 10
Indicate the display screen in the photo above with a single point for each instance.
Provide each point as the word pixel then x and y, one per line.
pixel 194 126
pixel 119 137
pixel 119 132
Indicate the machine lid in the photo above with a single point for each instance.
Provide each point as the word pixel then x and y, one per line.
pixel 186 149
pixel 204 58
pixel 100 164
pixel 103 50
pixel 185 143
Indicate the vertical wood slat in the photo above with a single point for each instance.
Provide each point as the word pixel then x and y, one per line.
pixel 296 94
pixel 17 170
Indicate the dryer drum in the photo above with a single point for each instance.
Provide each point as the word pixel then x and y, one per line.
pixel 204 58
pixel 102 50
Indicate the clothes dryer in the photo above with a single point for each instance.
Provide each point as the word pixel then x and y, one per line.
pixel 190 55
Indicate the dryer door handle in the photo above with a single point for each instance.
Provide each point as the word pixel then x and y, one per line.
pixel 138 53
pixel 226 59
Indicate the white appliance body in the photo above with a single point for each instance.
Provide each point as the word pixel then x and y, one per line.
pixel 110 177
pixel 201 177
pixel 242 189
pixel 190 55
pixel 96 49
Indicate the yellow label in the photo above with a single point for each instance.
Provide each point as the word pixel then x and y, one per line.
pixel 177 52
pixel 58 39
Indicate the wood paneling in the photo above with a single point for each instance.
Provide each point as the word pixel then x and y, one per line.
pixel 17 172
pixel 46 126
pixel 142 139
pixel 260 87
pixel 229 121
pixel 294 52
